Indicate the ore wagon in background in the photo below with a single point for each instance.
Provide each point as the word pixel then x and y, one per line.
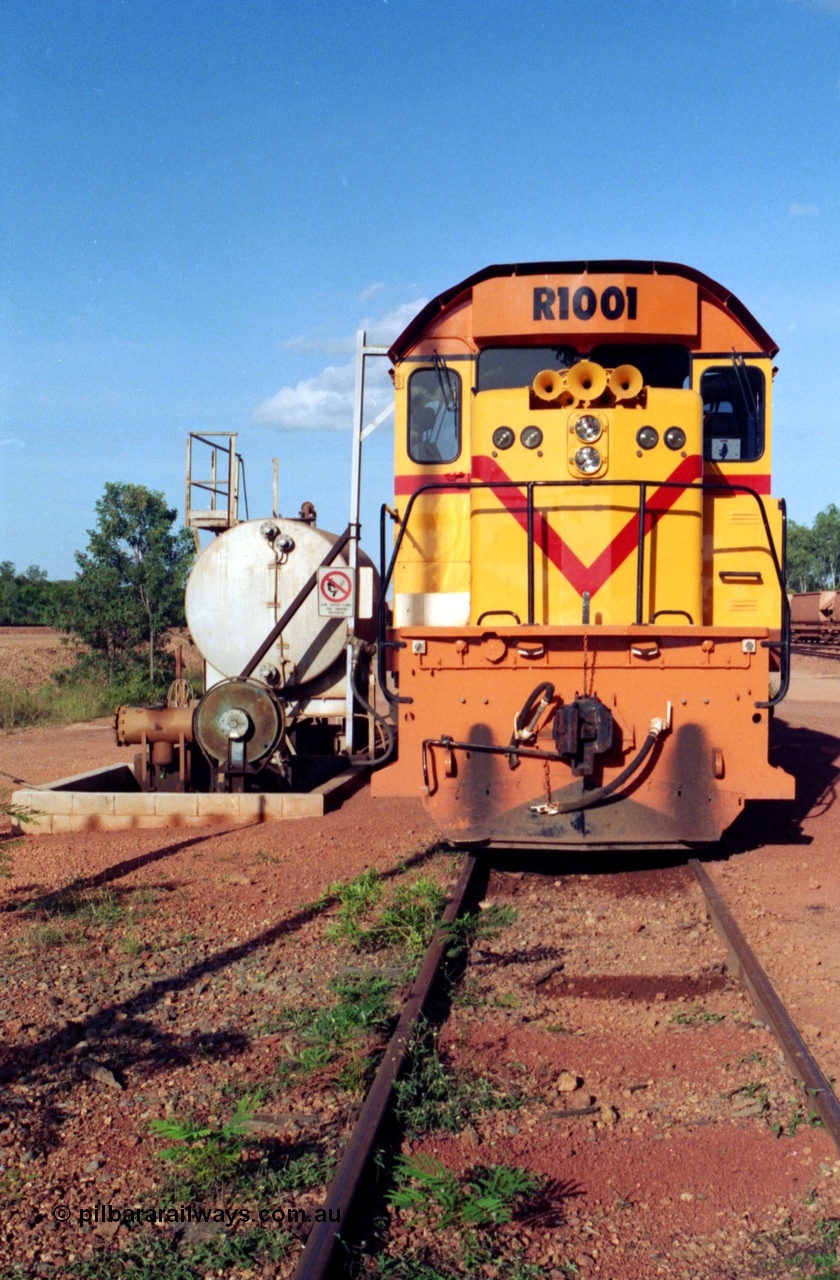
pixel 815 617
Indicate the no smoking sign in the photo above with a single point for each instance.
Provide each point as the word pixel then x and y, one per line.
pixel 336 598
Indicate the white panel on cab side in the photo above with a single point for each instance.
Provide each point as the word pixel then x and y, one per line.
pixel 432 609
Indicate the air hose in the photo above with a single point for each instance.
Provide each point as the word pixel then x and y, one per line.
pixel 585 801
pixel 525 722
pixel 387 729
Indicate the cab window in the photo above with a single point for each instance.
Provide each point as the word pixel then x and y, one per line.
pixel 733 413
pixel 502 367
pixel 434 414
pixel 661 364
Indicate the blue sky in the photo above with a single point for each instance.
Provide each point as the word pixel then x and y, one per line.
pixel 201 202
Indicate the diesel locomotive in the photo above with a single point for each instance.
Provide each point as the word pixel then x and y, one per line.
pixel 587 629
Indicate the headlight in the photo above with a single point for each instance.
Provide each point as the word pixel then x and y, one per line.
pixel 647 437
pixel 674 438
pixel 588 460
pixel 588 427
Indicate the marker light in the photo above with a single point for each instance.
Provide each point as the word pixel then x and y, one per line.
pixel 588 460
pixel 674 438
pixel 647 437
pixel 588 427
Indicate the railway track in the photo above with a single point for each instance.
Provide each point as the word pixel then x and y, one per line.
pixel 318 1259
pixel 743 964
pixel 805 648
pixel 344 1188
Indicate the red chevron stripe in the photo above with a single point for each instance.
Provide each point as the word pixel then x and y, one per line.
pixel 761 484
pixel 408 484
pixel 580 576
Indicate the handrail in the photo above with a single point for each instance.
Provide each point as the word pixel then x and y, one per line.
pixel 212 442
pixel 704 486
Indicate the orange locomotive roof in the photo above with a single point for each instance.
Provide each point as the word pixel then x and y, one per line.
pixel 492 311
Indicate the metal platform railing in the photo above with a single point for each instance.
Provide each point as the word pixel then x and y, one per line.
pixel 222 484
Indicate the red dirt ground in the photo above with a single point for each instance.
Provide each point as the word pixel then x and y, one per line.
pixel 229 892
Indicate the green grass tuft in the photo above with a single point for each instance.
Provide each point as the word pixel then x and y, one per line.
pixel 162 1257
pixel 484 1197
pixel 363 1007
pixel 430 1097
pixel 206 1156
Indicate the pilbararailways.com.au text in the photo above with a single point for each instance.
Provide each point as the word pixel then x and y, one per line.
pixel 94 1215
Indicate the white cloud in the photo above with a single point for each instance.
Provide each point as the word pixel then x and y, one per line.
pixel 804 210
pixel 370 291
pixel 12 443
pixel 391 325
pixel 325 402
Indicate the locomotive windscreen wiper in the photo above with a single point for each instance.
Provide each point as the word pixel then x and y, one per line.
pixel 450 394
pixel 744 387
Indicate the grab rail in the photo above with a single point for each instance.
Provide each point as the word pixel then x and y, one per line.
pixel 529 486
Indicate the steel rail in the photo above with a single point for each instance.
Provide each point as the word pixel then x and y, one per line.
pixel 743 962
pixel 318 1251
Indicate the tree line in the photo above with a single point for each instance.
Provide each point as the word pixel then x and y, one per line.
pixel 128 590
pixel 29 599
pixel 813 553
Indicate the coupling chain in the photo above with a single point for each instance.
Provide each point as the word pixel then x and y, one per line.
pixel 588 668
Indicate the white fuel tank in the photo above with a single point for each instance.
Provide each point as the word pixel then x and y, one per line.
pixel 244 581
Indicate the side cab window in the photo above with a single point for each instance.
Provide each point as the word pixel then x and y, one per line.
pixel 733 413
pixel 434 415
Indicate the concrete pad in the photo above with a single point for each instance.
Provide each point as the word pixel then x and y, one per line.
pixel 108 800
pixel 112 777
pixel 134 803
pixel 302 805
pixel 184 805
pixel 86 802
pixel 43 802
pixel 38 824
pixel 212 804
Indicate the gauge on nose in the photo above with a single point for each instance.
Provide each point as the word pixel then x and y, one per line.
pixel 503 437
pixel 531 437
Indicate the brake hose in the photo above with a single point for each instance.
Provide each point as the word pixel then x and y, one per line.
pixel 387 729
pixel 525 722
pixel 657 727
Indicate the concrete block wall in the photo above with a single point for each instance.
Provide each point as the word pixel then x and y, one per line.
pixel 52 812
pixel 106 800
